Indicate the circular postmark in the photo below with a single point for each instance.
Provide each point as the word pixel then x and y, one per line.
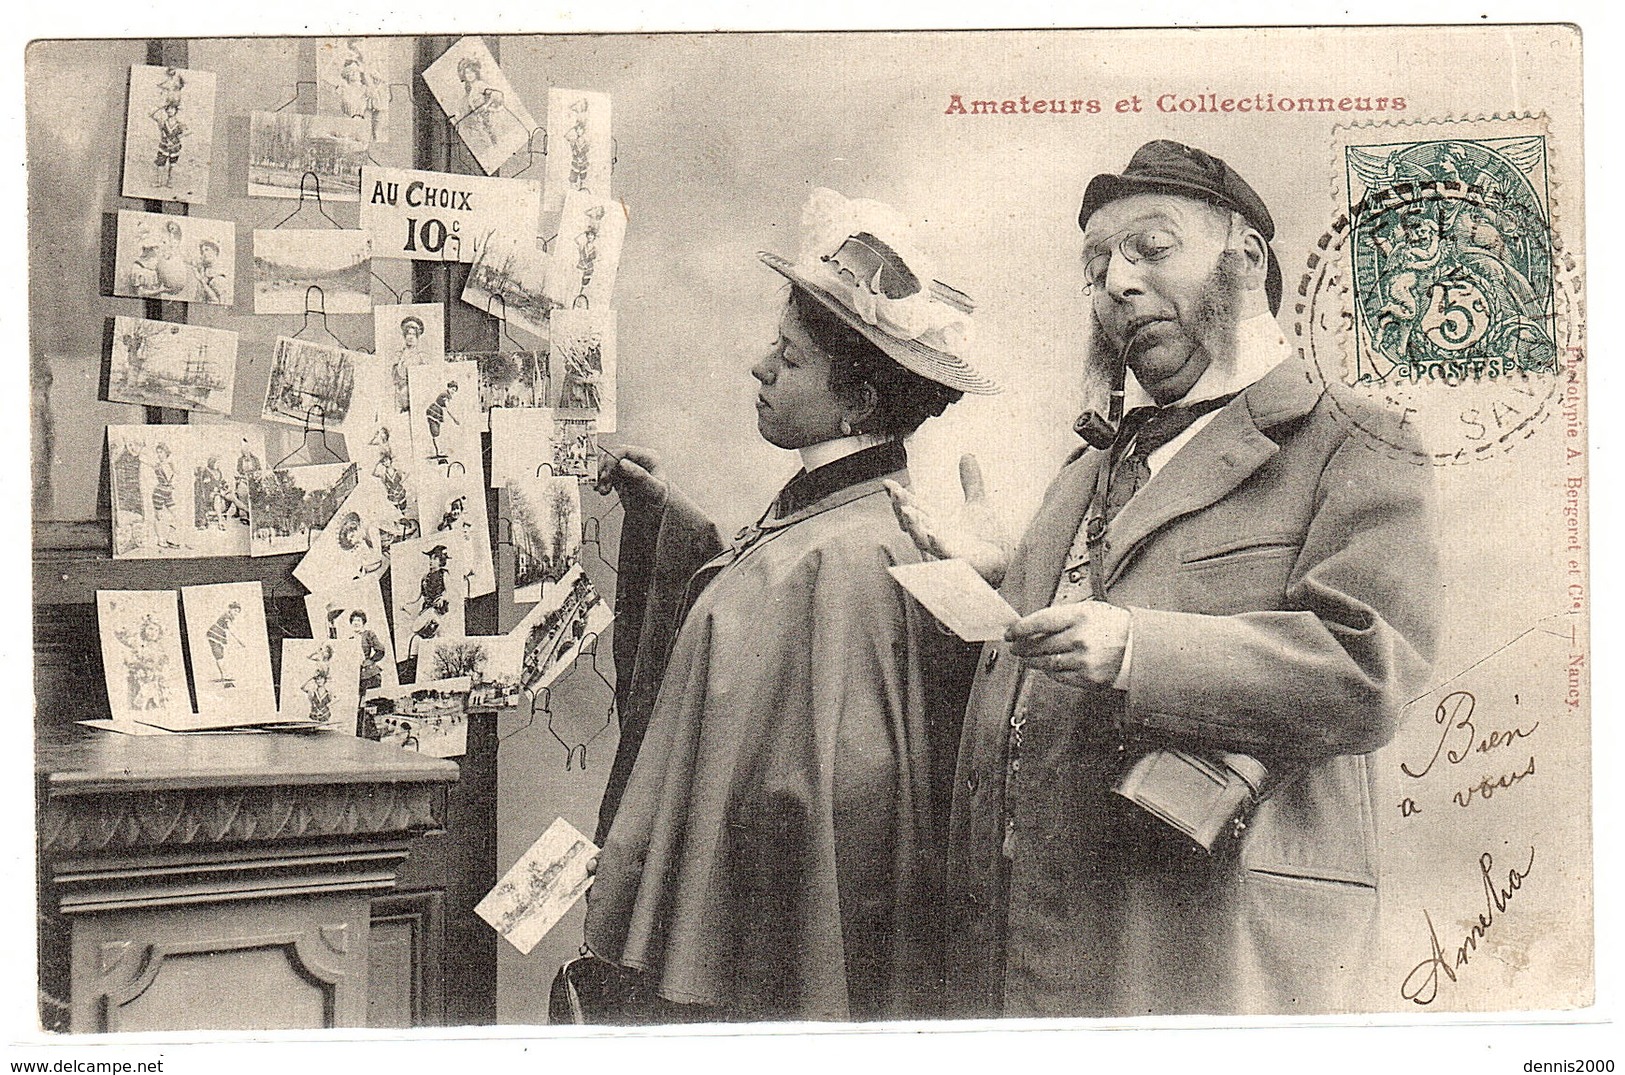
pixel 1441 313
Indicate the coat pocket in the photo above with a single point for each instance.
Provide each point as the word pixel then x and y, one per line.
pixel 1246 574
pixel 1304 942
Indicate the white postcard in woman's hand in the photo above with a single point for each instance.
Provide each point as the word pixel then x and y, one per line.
pixel 955 594
pixel 546 882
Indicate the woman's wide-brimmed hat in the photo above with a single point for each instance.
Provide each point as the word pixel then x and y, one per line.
pixel 857 260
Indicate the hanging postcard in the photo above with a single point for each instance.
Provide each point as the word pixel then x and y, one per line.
pixel 175 258
pixel 169 134
pixel 226 459
pixel 544 528
pixel 508 379
pixel 169 364
pixel 289 262
pixel 349 546
pixel 231 655
pixel 352 80
pixel 311 385
pixel 575 445
pixel 578 146
pixel 442 216
pixel 141 653
pixel 356 611
pixel 427 717
pixel 446 421
pixel 583 348
pixel 319 681
pixel 427 587
pixel 454 511
pixel 288 505
pixel 509 280
pixel 555 633
pixel 292 155
pixel 587 252
pixel 521 444
pixel 491 664
pixel 408 334
pixel 379 440
pixel 149 483
pixel 489 116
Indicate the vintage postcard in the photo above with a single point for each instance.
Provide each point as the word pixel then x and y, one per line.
pixel 582 348
pixel 474 93
pixel 510 379
pixel 453 509
pixel 537 890
pixel 168 364
pixel 408 334
pixel 585 255
pixel 579 151
pixel 543 524
pixel 293 155
pixel 311 384
pixel 320 681
pixel 446 420
pixel 1285 482
pixel 150 484
pixel 522 444
pixel 555 630
pixel 231 653
pixel 353 80
pixel 509 280
pixel 355 610
pixel 443 216
pixel 300 269
pixel 379 439
pixel 141 653
pixel 288 505
pixel 350 545
pixel 575 444
pixel 227 458
pixel 958 597
pixel 169 134
pixel 428 584
pixel 491 664
pixel 429 717
pixel 175 258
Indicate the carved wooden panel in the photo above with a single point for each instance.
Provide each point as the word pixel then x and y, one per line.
pixel 256 965
pixel 405 986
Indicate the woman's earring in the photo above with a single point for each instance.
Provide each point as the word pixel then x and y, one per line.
pixel 846 428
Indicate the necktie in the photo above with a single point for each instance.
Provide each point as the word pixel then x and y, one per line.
pixel 1149 428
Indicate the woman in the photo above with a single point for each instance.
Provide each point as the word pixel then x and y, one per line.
pixel 775 851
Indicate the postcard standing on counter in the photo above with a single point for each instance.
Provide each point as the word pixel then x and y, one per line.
pixel 141 653
pixel 231 652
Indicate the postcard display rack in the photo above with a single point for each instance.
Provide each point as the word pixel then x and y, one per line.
pixel 450 578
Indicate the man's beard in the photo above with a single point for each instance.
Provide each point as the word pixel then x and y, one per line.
pixel 1211 326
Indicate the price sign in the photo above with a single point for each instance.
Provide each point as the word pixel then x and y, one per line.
pixel 441 216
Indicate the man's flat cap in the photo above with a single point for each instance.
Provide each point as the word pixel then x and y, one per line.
pixel 1167 167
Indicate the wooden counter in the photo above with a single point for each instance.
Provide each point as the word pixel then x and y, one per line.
pixel 226 881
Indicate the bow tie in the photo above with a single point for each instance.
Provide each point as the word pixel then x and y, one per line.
pixel 1148 428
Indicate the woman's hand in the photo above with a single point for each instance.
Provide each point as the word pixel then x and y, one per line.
pixel 974 535
pixel 635 473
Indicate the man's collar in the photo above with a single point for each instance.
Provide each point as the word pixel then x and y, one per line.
pixel 1260 347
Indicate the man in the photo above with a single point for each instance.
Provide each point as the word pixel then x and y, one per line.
pixel 1254 609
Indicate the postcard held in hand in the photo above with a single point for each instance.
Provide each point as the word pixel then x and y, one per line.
pixel 541 887
pixel 955 594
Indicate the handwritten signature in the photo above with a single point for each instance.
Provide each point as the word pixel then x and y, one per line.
pixel 1421 985
pixel 1459 739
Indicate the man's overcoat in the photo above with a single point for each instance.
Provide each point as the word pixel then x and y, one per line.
pixel 1281 573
